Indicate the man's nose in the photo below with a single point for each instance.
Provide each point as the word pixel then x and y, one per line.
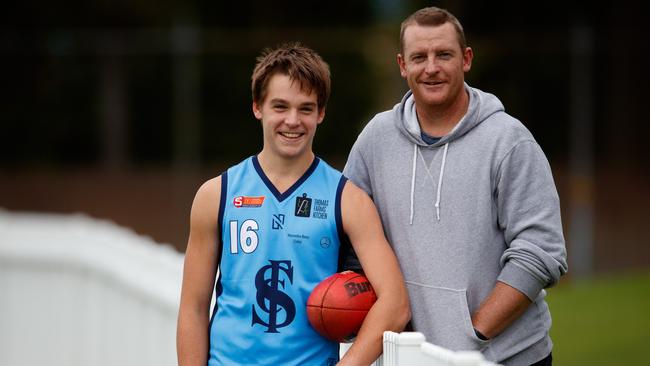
pixel 432 65
pixel 292 118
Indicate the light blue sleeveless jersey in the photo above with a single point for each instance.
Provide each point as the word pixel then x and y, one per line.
pixel 275 249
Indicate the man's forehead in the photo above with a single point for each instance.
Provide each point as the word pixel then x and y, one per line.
pixel 418 36
pixel 281 85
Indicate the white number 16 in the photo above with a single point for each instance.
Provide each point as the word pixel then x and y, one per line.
pixel 246 236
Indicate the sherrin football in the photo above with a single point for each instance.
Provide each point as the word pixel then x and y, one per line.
pixel 338 305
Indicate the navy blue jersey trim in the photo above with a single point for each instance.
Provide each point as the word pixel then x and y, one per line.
pixel 282 196
pixel 222 205
pixel 218 289
pixel 344 242
pixel 337 207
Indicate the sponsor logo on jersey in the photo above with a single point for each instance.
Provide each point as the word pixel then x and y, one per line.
pixel 303 206
pixel 298 238
pixel 279 307
pixel 277 222
pixel 248 201
pixel 325 242
pixel 320 208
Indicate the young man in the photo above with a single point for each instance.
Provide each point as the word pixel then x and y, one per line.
pixel 467 200
pixel 274 225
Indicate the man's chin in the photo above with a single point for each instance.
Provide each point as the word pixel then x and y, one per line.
pixel 430 98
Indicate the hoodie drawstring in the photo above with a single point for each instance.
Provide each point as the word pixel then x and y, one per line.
pixel 442 172
pixel 415 162
pixel 440 176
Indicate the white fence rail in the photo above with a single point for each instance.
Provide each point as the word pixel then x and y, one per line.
pixel 79 291
pixel 410 348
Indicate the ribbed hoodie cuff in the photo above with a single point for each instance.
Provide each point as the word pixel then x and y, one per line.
pixel 523 281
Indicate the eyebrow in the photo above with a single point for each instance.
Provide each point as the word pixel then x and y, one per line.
pixel 283 101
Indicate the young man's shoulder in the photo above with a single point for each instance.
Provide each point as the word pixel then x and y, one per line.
pixel 210 189
pixel 354 196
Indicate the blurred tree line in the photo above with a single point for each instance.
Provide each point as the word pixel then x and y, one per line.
pixel 143 82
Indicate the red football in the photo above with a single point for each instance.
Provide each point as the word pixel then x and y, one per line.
pixel 337 306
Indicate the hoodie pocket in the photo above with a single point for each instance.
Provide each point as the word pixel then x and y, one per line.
pixel 443 316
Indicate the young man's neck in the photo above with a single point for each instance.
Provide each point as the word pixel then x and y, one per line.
pixel 284 172
pixel 438 121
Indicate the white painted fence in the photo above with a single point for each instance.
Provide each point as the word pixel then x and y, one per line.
pixel 410 348
pixel 80 291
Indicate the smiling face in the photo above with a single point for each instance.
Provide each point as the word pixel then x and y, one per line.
pixel 434 65
pixel 289 116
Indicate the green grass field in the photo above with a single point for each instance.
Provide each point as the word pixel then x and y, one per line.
pixel 604 321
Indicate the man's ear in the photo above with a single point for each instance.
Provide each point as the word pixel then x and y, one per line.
pixel 468 55
pixel 256 111
pixel 321 115
pixel 402 65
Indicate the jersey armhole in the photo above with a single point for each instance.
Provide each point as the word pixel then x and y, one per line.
pixel 345 247
pixel 222 204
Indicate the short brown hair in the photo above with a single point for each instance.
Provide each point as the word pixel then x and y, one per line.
pixel 300 63
pixel 432 16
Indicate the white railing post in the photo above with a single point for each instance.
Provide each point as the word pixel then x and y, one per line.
pixel 410 348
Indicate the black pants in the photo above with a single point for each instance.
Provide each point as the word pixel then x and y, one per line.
pixel 548 361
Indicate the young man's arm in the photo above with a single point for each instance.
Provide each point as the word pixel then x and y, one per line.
pixel 391 311
pixel 192 336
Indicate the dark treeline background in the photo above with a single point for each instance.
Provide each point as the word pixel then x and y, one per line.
pixel 121 109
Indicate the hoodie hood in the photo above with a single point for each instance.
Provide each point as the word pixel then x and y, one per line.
pixel 481 106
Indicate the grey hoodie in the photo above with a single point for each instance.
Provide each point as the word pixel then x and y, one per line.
pixel 478 206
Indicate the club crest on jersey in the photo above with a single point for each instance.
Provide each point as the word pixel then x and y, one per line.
pixel 280 309
pixel 303 206
pixel 248 201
